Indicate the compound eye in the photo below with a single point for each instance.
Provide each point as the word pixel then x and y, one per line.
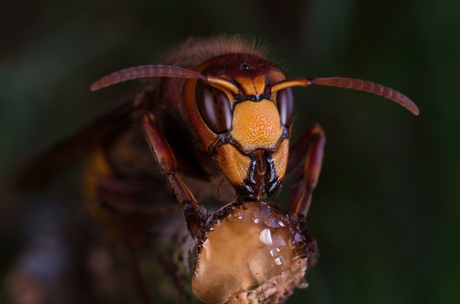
pixel 214 107
pixel 285 104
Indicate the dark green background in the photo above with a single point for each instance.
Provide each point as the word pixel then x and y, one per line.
pixel 386 210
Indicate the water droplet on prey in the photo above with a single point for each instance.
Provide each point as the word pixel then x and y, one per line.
pixel 266 237
pixel 207 247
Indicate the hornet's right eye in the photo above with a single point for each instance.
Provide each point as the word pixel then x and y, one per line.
pixel 285 104
pixel 214 107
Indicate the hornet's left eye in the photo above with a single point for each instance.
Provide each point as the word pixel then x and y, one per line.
pixel 214 107
pixel 285 104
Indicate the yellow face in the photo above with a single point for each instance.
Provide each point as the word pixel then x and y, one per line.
pixel 255 158
pixel 246 132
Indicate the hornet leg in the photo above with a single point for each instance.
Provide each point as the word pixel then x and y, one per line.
pixel 312 142
pixel 167 163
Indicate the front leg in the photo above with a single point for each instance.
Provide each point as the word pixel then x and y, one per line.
pixel 312 144
pixel 167 163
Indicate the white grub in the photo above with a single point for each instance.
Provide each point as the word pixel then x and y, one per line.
pixel 266 237
pixel 256 220
pixel 281 223
pixel 278 261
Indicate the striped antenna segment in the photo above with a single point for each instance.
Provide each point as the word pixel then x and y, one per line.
pixel 368 86
pixel 144 71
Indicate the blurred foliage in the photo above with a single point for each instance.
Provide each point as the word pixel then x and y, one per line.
pixel 386 210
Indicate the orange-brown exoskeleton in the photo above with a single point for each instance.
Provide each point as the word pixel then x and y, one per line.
pixel 215 110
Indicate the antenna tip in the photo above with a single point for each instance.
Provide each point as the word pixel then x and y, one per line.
pixel 95 86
